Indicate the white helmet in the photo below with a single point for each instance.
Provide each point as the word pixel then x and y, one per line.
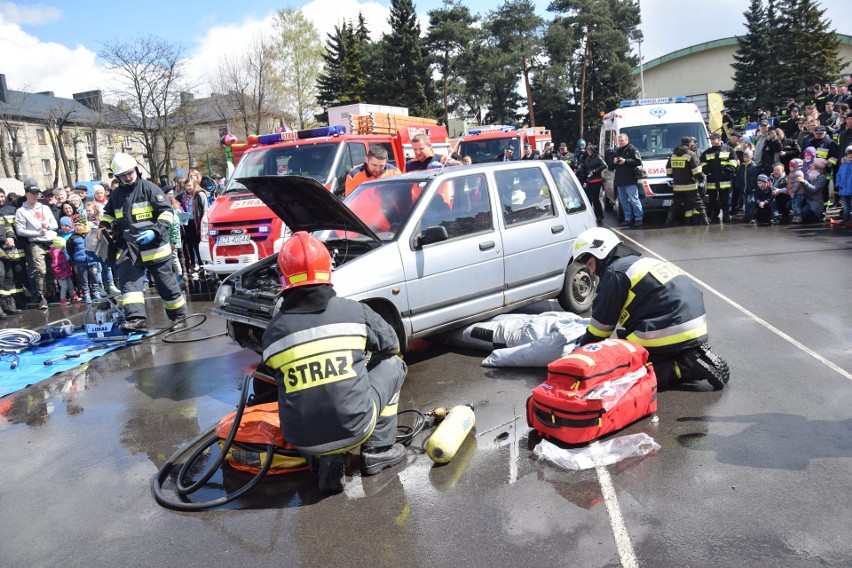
pixel 122 163
pixel 597 241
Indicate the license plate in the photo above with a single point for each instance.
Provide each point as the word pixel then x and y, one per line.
pixel 667 202
pixel 233 240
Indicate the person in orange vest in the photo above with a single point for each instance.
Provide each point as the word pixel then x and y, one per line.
pixel 375 166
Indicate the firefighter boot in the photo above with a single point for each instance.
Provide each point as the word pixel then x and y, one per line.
pixel 374 460
pixel 330 470
pixel 700 363
pixel 2 313
pixel 9 306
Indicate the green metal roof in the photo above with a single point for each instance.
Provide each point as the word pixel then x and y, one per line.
pixel 724 42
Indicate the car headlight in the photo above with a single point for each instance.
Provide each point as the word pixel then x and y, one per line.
pixel 222 294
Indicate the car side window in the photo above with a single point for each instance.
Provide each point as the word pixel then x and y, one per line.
pixel 461 205
pixel 569 193
pixel 524 195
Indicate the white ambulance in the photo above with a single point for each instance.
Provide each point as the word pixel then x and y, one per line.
pixel 655 127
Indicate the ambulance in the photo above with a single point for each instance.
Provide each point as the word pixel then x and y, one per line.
pixel 655 127
pixel 486 144
pixel 238 229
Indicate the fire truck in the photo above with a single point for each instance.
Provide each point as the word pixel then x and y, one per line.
pixel 486 144
pixel 239 229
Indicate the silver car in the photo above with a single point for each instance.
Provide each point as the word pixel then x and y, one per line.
pixel 431 250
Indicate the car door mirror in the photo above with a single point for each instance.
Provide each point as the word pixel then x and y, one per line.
pixel 431 235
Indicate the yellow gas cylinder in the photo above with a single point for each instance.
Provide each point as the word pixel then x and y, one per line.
pixel 443 444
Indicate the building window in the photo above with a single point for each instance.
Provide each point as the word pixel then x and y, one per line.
pixel 90 142
pixel 12 135
pixel 42 138
pixel 109 142
pixel 222 132
pixel 128 143
pixel 45 167
pixel 190 137
pixel 66 139
pixel 93 168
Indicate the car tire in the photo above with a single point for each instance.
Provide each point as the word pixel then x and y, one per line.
pixel 578 292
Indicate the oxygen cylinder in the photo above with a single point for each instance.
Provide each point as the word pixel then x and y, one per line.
pixel 443 444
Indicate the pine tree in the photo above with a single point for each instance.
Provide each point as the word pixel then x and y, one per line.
pixel 811 48
pixel 329 87
pixel 405 74
pixel 752 70
pixel 451 30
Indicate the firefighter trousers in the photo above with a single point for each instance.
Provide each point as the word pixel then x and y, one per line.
pixel 717 202
pixel 386 377
pixel 687 204
pixel 132 278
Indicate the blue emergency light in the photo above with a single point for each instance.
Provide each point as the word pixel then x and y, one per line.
pixel 659 101
pixel 263 229
pixel 320 132
pixel 495 128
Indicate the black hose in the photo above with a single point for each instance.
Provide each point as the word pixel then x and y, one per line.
pixel 408 432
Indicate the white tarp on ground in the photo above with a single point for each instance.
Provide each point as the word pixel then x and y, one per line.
pixel 522 340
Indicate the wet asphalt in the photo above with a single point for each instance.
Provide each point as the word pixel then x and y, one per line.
pixel 755 475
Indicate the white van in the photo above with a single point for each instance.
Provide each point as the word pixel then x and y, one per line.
pixel 655 127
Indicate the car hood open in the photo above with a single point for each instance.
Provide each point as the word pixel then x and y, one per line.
pixel 306 205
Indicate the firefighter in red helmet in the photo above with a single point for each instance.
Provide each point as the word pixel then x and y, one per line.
pixel 332 397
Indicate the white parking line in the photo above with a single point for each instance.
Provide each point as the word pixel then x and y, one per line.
pixel 753 316
pixel 619 529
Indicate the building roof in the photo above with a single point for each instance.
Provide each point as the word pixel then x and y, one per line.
pixel 708 45
pixel 21 105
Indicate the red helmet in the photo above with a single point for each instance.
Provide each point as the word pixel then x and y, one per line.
pixel 304 260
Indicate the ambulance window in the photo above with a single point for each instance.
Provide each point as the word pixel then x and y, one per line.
pixel 568 190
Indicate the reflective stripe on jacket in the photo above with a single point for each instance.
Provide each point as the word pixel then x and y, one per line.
pixel 137 208
pixel 656 304
pixel 319 358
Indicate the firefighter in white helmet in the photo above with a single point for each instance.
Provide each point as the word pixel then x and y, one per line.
pixel 137 217
pixel 657 306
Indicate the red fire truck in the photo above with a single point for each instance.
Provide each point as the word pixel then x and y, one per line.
pixel 239 229
pixel 486 144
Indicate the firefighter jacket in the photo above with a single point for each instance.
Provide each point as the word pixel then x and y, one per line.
pixel 7 212
pixel 685 169
pixel 654 301
pixel 719 164
pixel 360 174
pixel 827 149
pixel 318 354
pixel 131 210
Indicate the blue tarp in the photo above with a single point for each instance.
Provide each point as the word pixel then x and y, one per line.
pixel 31 368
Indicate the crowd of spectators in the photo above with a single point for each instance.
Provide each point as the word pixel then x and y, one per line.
pixel 51 250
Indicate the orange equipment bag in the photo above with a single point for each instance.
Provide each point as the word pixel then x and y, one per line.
pixel 259 427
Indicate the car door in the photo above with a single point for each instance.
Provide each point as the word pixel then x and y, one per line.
pixel 536 239
pixel 462 276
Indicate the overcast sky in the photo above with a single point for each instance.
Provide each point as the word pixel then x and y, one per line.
pixel 53 46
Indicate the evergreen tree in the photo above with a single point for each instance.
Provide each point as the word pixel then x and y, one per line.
pixel 451 30
pixel 593 43
pixel 811 49
pixel 753 76
pixel 329 87
pixel 405 75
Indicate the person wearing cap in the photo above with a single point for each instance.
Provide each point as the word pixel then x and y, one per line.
pixel 138 217
pixel 529 153
pixel 684 168
pixel 744 186
pixel 35 222
pixel 507 155
pixel 719 163
pixel 562 153
pixel 827 149
pixel 764 204
pixel 579 154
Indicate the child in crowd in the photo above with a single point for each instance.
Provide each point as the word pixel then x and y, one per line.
pixel 764 204
pixel 62 269
pixel 796 190
pixel 843 185
pixel 808 159
pixel 813 183
pixel 86 271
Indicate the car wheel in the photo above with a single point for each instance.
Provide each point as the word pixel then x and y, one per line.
pixel 579 290
pixel 391 316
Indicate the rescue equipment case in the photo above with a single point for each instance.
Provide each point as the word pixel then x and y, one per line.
pixel 598 389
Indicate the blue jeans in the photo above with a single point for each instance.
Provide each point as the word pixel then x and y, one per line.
pixel 628 197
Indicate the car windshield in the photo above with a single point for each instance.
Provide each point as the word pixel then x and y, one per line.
pixel 488 150
pixel 309 160
pixel 658 141
pixel 385 206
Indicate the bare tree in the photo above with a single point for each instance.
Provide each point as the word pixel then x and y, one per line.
pixel 56 120
pixel 298 54
pixel 249 81
pixel 151 70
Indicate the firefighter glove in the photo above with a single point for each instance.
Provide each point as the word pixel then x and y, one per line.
pixel 145 237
